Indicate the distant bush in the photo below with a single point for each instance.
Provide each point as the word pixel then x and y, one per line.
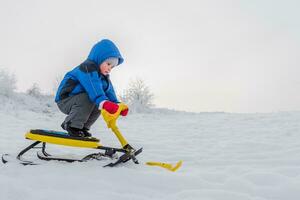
pixel 7 83
pixel 138 96
pixel 34 91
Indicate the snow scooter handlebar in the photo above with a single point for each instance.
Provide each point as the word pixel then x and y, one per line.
pixel 111 120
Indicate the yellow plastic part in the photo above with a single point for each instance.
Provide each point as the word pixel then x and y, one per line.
pixel 167 166
pixel 111 119
pixel 62 141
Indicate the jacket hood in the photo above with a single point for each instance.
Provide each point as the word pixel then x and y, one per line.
pixel 103 50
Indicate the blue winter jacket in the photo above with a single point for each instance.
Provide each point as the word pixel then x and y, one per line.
pixel 87 77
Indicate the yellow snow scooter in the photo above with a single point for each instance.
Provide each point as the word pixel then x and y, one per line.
pixel 40 136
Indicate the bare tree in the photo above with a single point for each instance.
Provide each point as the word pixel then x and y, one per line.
pixel 34 91
pixel 138 96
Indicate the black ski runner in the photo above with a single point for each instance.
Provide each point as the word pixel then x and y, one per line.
pixel 7 158
pixel 94 156
pixel 109 153
pixel 97 156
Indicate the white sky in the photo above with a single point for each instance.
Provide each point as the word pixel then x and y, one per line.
pixel 233 56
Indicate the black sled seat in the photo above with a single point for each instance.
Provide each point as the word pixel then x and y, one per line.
pixel 61 138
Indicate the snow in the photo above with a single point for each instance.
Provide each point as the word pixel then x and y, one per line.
pixel 226 156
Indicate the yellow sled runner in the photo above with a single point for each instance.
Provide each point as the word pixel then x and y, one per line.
pixel 167 166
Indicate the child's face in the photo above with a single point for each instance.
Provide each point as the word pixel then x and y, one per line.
pixel 105 68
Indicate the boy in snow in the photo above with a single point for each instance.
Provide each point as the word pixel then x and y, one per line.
pixel 87 89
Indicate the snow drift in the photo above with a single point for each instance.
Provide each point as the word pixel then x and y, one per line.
pixel 226 156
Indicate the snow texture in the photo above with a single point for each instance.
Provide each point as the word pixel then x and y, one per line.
pixel 225 156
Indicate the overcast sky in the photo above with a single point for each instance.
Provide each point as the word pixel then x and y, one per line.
pixel 232 56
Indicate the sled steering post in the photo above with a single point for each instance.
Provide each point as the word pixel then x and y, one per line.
pixel 111 120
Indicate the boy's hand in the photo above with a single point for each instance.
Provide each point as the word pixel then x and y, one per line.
pixel 110 107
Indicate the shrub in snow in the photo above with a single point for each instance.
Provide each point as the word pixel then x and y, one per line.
pixel 138 97
pixel 34 91
pixel 7 83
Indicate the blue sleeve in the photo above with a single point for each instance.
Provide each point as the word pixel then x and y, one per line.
pixel 92 84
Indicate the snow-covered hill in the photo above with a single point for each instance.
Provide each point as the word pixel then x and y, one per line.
pixel 226 157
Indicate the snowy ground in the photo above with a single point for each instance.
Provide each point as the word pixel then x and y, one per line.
pixel 226 157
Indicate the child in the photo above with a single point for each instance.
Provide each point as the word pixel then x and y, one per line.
pixel 87 89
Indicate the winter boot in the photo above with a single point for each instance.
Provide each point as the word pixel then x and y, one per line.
pixel 75 132
pixel 86 132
